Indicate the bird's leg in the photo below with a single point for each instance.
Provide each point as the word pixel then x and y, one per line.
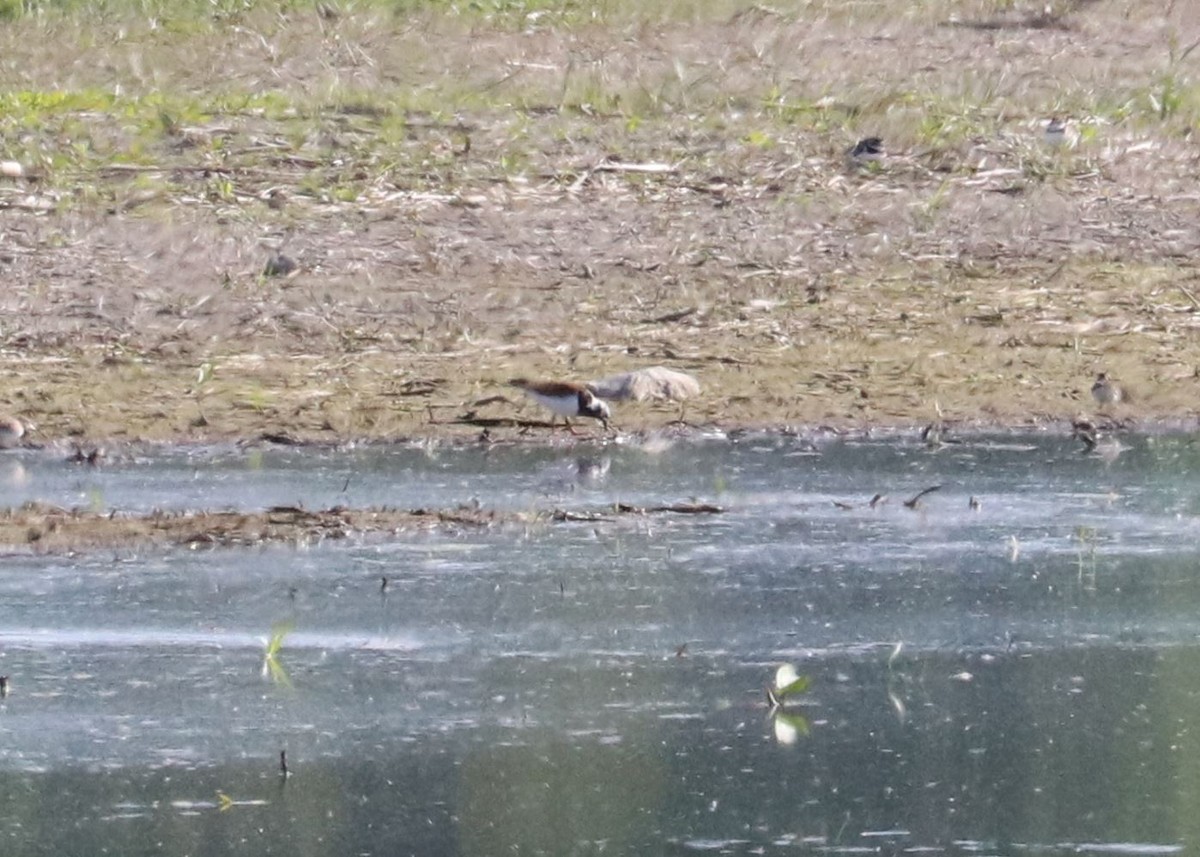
pixel 570 427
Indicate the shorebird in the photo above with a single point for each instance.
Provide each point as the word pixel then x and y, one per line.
pixel 1107 392
pixel 11 432
pixel 1055 131
pixel 865 151
pixel 566 399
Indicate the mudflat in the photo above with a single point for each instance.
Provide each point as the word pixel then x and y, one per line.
pixel 342 221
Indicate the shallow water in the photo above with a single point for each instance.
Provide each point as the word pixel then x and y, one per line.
pixel 1025 677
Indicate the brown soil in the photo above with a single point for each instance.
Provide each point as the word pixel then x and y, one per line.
pixel 599 199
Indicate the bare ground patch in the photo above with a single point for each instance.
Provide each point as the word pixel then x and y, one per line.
pixel 465 204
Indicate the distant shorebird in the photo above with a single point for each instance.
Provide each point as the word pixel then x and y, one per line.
pixel 11 432
pixel 1055 132
pixel 865 151
pixel 280 265
pixel 1108 392
pixel 566 399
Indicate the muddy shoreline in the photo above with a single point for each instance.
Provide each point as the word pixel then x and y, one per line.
pixel 371 250
pixel 41 528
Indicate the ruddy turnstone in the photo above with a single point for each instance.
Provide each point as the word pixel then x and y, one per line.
pixel 566 399
pixel 1107 392
pixel 865 151
pixel 11 432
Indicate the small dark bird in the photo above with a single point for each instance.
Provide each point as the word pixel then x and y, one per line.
pixel 1107 392
pixel 3 686
pixel 1054 132
pixel 283 768
pixel 279 265
pixel 93 458
pixel 866 150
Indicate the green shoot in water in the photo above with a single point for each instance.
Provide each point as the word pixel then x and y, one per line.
pixel 787 683
pixel 272 668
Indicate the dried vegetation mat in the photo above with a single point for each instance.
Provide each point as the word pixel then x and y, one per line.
pixel 42 528
pixel 358 218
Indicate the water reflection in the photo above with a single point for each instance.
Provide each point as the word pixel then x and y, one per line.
pixel 1034 751
pixel 767 469
pixel 1021 677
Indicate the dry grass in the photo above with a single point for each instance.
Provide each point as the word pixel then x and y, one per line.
pixel 453 187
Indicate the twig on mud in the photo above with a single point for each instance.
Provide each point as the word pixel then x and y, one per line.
pixel 117 169
pixel 914 502
pixel 1187 292
pixel 577 517
pixel 677 508
pixel 492 400
pixel 417 387
pixel 563 515
pixel 619 167
pixel 469 419
pixel 678 315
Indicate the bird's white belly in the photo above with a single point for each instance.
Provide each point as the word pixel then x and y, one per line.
pixel 564 406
